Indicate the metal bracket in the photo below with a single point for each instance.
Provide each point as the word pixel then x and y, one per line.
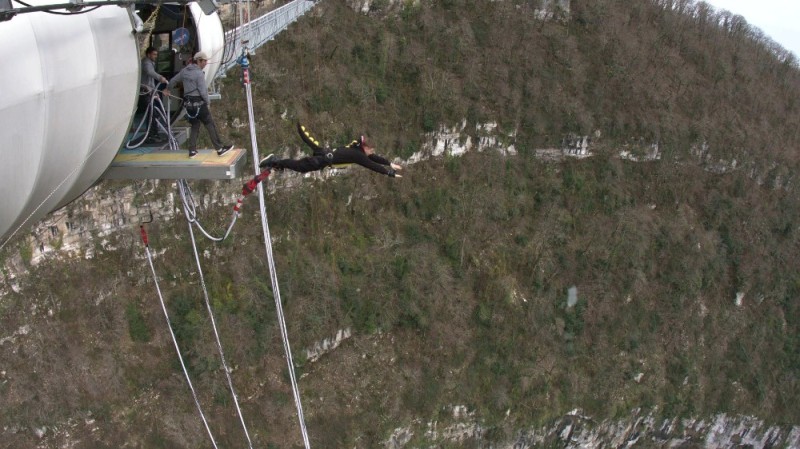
pixel 6 12
pixel 76 5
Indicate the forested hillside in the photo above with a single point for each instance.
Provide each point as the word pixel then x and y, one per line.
pixel 668 71
pixel 454 279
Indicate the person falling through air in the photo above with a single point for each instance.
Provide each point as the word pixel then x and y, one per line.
pixel 360 152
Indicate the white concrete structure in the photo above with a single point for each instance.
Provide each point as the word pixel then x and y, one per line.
pixel 70 84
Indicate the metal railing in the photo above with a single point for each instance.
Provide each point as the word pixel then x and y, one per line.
pixel 261 30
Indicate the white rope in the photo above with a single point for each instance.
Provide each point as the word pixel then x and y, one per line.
pixel 154 106
pixel 279 308
pixel 130 144
pixel 190 208
pixel 273 276
pixel 177 348
pixel 227 370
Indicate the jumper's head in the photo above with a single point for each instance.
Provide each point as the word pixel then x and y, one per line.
pixel 364 145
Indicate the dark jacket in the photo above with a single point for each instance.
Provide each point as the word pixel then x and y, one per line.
pixel 194 82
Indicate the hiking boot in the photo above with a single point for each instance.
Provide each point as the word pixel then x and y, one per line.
pixel 224 149
pixel 192 153
pixel 268 162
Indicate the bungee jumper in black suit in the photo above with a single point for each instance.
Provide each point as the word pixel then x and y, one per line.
pixel 359 151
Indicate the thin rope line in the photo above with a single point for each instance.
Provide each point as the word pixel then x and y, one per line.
pixel 214 323
pixel 177 348
pixel 273 276
pixel 281 320
pixel 190 208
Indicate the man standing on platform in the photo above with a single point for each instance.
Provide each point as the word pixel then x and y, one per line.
pixel 195 100
pixel 152 107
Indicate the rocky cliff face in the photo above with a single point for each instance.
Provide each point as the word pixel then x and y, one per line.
pixel 576 430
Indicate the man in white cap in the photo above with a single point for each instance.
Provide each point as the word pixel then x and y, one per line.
pixel 195 100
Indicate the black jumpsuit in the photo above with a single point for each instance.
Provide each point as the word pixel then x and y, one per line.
pixel 324 157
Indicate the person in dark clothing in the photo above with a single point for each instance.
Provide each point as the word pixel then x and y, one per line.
pixel 152 108
pixel 360 152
